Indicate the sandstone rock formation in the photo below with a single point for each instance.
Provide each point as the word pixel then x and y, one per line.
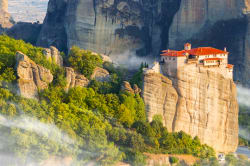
pixel 195 16
pixel 52 54
pixel 31 77
pixel 127 87
pixel 74 79
pixel 198 102
pixel 5 19
pixel 100 74
pixel 107 26
pixel 53 31
pixel 163 159
pixel 4 5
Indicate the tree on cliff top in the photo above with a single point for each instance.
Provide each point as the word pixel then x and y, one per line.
pixel 83 61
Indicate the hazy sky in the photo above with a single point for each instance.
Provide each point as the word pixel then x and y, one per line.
pixel 28 10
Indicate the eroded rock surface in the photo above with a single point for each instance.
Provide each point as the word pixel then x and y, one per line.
pixel 100 74
pixel 198 102
pixel 53 55
pixel 127 87
pixel 5 19
pixel 107 26
pixel 4 5
pixel 74 79
pixel 194 16
pixel 31 77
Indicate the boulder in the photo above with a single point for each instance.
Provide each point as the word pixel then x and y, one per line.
pixel 31 77
pixel 74 79
pixel 52 54
pixel 100 74
pixel 127 87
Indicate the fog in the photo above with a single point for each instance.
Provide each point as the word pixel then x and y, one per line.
pixel 130 60
pixel 46 131
pixel 243 96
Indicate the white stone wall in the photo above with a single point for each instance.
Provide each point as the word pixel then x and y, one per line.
pixel 172 64
pixel 154 68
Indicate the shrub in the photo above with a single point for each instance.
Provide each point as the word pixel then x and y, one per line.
pixel 83 61
pixel 173 160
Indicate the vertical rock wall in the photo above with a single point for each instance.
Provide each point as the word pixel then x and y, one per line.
pixel 195 16
pixel 5 18
pixel 107 26
pixel 4 5
pixel 198 102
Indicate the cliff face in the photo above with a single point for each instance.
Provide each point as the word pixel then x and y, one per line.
pixel 53 31
pixel 5 18
pixel 108 26
pixel 195 16
pixel 4 5
pixel 198 102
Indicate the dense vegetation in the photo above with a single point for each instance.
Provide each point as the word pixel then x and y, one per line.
pixel 105 124
pixel 244 116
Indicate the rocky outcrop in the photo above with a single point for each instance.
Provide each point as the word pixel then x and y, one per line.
pixel 198 102
pixel 164 160
pixel 31 77
pixel 5 19
pixel 4 5
pixel 127 87
pixel 100 74
pixel 52 54
pixel 107 26
pixel 74 79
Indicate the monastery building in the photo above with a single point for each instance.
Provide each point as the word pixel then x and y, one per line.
pixel 204 57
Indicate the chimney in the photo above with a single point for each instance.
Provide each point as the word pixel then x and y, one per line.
pixel 187 46
pixel 225 49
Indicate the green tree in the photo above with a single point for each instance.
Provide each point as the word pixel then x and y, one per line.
pixel 83 61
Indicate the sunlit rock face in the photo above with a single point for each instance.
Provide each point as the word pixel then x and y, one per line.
pixel 5 18
pixel 4 5
pixel 31 77
pixel 108 26
pixel 199 102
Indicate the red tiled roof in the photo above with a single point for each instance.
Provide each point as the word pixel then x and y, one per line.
pixel 173 53
pixel 195 51
pixel 208 59
pixel 205 51
pixel 230 66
